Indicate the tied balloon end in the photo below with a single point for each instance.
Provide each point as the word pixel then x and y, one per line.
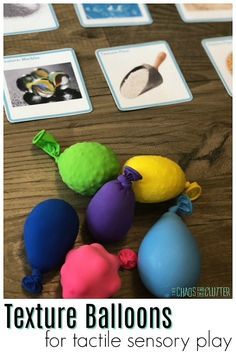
pixel 33 283
pixel 128 259
pixel 193 190
pixel 183 207
pixel 129 175
pixel 47 143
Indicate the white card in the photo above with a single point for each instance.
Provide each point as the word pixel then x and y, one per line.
pixel 26 18
pixel 143 75
pixel 205 12
pixel 44 85
pixel 109 15
pixel 220 52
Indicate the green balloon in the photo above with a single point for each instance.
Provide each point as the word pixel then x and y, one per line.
pixel 84 167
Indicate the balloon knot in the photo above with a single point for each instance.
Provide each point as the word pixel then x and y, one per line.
pixel 47 143
pixel 183 207
pixel 128 177
pixel 128 259
pixel 193 190
pixel 33 283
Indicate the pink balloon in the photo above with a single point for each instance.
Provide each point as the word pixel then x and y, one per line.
pixel 90 271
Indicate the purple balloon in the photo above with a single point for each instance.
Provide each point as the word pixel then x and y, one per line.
pixel 110 212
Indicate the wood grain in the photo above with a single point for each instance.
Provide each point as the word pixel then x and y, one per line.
pixel 195 134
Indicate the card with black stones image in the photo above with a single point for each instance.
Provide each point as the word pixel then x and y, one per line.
pixel 42 85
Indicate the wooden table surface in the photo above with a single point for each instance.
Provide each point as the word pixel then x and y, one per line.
pixel 197 135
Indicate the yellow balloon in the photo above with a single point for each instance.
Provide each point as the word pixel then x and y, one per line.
pixel 162 179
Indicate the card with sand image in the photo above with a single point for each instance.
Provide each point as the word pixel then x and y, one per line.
pixel 44 85
pixel 220 52
pixel 143 75
pixel 110 15
pixel 204 12
pixel 22 18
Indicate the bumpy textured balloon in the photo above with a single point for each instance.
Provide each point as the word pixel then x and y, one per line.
pixel 162 179
pixel 84 167
pixel 110 212
pixel 50 231
pixel 168 256
pixel 92 272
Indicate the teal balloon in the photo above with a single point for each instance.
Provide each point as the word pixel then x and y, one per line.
pixel 169 257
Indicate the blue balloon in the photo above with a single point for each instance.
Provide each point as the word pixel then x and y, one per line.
pixel 168 256
pixel 50 231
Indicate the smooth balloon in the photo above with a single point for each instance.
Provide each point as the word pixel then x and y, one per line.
pixel 168 257
pixel 110 212
pixel 50 231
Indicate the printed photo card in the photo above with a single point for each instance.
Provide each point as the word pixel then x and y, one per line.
pixel 110 15
pixel 26 18
pixel 143 75
pixel 44 85
pixel 205 12
pixel 220 52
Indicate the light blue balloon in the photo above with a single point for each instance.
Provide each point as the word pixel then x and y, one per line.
pixel 168 256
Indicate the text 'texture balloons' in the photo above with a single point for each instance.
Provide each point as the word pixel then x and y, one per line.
pixel 168 257
pixel 110 212
pixel 50 231
pixel 84 167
